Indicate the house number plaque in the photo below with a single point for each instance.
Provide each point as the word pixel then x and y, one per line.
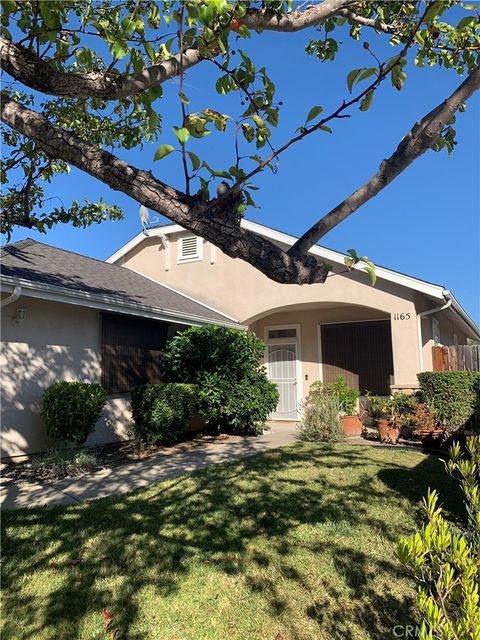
pixel 401 316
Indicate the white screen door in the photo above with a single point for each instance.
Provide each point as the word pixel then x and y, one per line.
pixel 282 369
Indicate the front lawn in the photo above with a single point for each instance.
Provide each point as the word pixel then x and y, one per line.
pixel 298 543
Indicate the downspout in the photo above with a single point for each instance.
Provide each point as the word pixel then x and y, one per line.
pixel 424 314
pixel 11 298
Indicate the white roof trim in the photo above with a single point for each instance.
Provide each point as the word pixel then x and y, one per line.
pixel 329 255
pixel 105 303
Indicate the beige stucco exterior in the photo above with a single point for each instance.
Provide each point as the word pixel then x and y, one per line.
pixel 238 289
pixel 55 342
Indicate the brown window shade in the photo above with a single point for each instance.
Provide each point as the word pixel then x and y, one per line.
pixel 131 351
pixel 361 352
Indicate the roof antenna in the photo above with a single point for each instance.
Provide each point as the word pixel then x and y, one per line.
pixel 145 218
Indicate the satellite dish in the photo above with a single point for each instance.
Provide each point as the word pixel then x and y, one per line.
pixel 145 218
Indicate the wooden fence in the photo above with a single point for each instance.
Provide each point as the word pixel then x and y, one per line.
pixel 456 358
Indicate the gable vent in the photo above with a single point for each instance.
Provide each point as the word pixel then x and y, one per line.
pixel 189 248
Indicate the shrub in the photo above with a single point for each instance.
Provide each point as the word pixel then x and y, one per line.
pixel 453 394
pixel 162 411
pixel 347 396
pixel 321 417
pixel 72 409
pixel 444 560
pixel 234 393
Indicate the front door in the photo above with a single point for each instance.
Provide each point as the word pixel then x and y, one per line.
pixel 282 369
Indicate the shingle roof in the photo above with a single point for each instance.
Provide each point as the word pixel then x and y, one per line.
pixel 41 263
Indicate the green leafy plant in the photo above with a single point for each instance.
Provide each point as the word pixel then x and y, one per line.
pixel 380 407
pixel 347 396
pixel 234 391
pixel 445 561
pixel 161 412
pixel 71 410
pixel 63 461
pixel 321 417
pixel 453 394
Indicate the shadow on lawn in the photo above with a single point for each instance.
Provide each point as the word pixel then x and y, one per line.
pixel 151 539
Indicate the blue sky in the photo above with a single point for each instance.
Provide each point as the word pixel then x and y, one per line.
pixel 426 223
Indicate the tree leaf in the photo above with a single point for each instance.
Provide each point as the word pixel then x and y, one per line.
pixel 371 272
pixel 119 49
pixel 325 128
pixel 163 151
pixel 182 134
pixel 352 78
pixel 313 113
pixel 195 160
pixel 366 103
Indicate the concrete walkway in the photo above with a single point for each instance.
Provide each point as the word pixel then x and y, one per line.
pixel 169 464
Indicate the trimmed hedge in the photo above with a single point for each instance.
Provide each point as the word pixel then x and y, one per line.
pixel 454 394
pixel 233 389
pixel 72 409
pixel 161 412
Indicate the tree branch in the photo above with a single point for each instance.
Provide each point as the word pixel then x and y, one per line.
pixel 418 140
pixel 267 20
pixel 216 221
pixel 42 75
pixel 376 24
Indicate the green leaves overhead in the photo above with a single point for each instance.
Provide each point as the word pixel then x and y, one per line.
pixel 352 260
pixel 357 75
pixel 115 39
pixel 183 134
pixel 163 151
pixel 313 113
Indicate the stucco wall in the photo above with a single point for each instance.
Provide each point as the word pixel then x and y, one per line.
pixel 55 342
pixel 238 289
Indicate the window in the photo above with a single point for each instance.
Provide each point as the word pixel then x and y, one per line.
pixel 131 351
pixel 282 333
pixel 361 352
pixel 190 248
pixel 435 331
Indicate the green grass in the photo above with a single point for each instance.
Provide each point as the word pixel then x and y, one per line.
pixel 298 543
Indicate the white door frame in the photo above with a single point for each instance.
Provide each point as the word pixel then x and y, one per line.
pixel 298 362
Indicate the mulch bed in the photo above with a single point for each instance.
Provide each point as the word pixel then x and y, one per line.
pixel 107 456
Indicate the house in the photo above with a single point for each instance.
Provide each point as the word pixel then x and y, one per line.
pixel 67 316
pixel 378 337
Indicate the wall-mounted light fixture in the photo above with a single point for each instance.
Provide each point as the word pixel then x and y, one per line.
pixel 20 316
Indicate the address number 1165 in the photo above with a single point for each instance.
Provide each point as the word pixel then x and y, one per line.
pixel 401 316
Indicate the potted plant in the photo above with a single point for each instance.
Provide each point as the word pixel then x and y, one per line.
pixel 381 409
pixel 348 398
pixel 425 424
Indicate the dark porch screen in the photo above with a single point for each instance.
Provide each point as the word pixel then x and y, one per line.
pixel 361 352
pixel 131 351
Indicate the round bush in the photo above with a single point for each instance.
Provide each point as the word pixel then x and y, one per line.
pixel 162 411
pixel 234 392
pixel 453 394
pixel 72 409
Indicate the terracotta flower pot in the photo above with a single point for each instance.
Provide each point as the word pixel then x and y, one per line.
pixel 431 437
pixel 388 432
pixel 352 425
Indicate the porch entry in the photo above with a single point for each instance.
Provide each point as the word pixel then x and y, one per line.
pixel 283 369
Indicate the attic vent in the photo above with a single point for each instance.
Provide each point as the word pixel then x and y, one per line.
pixel 189 249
